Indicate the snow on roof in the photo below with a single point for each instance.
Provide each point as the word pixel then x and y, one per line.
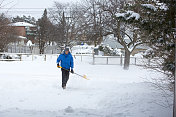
pixel 110 40
pixel 150 6
pixel 22 24
pixel 113 43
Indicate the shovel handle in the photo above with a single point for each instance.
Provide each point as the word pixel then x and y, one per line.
pixel 73 73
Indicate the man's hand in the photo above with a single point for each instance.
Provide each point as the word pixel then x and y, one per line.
pixel 58 65
pixel 72 71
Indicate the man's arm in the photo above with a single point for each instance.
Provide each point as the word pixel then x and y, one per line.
pixel 58 59
pixel 72 63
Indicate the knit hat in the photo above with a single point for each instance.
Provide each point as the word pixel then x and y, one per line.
pixel 66 49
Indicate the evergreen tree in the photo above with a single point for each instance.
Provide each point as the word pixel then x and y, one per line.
pixel 158 23
pixel 44 25
pixel 28 19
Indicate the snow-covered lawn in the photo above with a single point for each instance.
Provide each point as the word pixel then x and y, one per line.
pixel 33 89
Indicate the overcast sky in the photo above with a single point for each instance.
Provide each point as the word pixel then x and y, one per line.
pixel 37 13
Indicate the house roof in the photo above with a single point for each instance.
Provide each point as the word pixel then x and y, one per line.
pixel 110 40
pixel 19 24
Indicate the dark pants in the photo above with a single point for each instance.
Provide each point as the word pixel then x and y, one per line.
pixel 65 77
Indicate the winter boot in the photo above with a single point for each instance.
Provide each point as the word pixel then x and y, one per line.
pixel 64 87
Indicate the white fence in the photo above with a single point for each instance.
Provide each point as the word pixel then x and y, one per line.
pixel 95 60
pixel 37 57
pixel 118 60
pixel 18 49
pixel 33 49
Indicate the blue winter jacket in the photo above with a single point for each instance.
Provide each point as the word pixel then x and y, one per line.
pixel 66 60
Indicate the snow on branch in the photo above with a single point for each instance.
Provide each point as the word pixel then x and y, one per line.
pixel 128 15
pixel 132 47
pixel 149 6
pixel 133 15
pixel 120 14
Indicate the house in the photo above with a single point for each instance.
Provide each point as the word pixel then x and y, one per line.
pixel 110 40
pixel 25 31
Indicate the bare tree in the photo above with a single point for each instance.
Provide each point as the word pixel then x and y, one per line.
pixel 105 18
pixel 66 18
pixel 7 33
pixel 92 22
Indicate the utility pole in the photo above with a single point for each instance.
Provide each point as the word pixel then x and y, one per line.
pixel 65 23
pixel 174 105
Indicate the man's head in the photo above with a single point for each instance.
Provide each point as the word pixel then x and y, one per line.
pixel 66 50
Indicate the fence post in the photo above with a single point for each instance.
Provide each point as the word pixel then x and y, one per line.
pixel 93 59
pixel 24 49
pixel 121 60
pixel 20 57
pixel 32 57
pixel 148 61
pixel 45 58
pixel 15 49
pixel 135 61
pixel 107 61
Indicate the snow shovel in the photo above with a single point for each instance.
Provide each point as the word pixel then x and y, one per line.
pixel 84 76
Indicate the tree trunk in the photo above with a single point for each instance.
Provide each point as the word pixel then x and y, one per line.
pixel 41 47
pixel 127 59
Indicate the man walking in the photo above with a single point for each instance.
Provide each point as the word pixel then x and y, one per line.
pixel 65 62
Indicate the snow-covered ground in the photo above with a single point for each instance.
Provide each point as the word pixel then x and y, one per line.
pixel 33 89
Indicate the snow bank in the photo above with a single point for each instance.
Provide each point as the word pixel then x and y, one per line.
pixel 139 55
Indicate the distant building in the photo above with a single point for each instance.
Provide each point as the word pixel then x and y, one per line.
pixel 110 40
pixel 25 31
pixel 25 42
